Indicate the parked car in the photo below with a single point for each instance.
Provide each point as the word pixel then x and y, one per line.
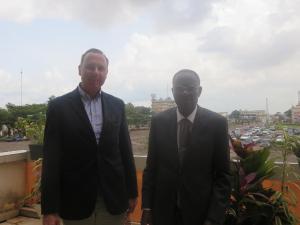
pixel 264 143
pixel 256 139
pixel 296 131
pixel 246 139
pixel 279 139
pixel 272 128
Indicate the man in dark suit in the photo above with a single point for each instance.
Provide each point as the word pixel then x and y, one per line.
pixel 186 179
pixel 88 174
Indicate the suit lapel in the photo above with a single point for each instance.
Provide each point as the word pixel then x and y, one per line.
pixel 105 110
pixel 172 137
pixel 198 125
pixel 173 130
pixel 109 117
pixel 78 107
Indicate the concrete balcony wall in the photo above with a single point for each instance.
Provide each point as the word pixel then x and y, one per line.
pixel 16 175
pixel 12 182
pixel 140 163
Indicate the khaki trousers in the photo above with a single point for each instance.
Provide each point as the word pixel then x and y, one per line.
pixel 99 217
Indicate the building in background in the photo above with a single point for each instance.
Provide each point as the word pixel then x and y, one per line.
pixel 225 114
pixel 253 115
pixel 296 111
pixel 159 105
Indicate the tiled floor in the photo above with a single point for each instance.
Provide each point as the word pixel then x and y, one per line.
pixel 20 220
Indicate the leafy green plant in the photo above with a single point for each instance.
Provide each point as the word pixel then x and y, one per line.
pixel 251 203
pixel 294 143
pixel 33 129
pixel 290 145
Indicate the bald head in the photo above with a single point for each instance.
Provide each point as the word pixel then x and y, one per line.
pixel 186 90
pixel 186 74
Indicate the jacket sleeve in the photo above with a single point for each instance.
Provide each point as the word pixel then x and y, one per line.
pixel 221 163
pixel 149 175
pixel 127 157
pixel 50 181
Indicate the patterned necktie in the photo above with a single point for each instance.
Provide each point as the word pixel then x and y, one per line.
pixel 184 134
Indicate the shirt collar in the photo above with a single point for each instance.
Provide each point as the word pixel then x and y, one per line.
pixel 84 95
pixel 191 117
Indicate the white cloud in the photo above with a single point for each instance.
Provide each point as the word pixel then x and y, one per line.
pixel 94 12
pixel 254 34
pixel 167 14
pixel 149 62
pixel 17 10
pixel 244 51
pixel 10 88
pixel 36 88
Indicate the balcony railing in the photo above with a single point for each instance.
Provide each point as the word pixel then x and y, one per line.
pixel 17 179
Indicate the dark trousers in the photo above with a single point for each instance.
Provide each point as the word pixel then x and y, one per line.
pixel 178 216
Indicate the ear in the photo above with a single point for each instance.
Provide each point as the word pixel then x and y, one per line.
pixel 199 91
pixel 79 70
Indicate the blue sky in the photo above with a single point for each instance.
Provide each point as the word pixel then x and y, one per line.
pixel 244 51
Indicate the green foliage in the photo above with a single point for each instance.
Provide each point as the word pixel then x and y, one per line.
pixel 9 116
pixel 32 128
pixel 294 143
pixel 255 161
pixel 4 116
pixel 137 115
pixel 235 115
pixel 251 203
pixel 288 113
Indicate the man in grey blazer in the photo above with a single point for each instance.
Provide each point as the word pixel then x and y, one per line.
pixel 186 180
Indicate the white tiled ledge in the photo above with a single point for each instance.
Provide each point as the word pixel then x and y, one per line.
pixel 12 156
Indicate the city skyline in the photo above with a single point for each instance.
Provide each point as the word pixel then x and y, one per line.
pixel 244 51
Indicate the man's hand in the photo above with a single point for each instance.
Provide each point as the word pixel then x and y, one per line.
pixel 146 217
pixel 51 219
pixel 131 204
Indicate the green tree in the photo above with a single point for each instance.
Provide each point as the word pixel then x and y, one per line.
pixel 137 116
pixel 143 115
pixel 288 113
pixel 235 115
pixel 33 111
pixel 3 116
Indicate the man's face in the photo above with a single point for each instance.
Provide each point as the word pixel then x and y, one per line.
pixel 186 91
pixel 93 71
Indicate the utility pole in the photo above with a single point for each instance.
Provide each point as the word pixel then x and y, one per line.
pixel 21 87
pixel 267 112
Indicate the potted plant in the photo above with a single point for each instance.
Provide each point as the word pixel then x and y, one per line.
pixel 251 203
pixel 34 130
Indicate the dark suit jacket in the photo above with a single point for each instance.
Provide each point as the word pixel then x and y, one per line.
pixel 76 168
pixel 203 182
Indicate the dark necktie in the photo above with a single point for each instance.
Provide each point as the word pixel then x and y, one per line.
pixel 185 127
